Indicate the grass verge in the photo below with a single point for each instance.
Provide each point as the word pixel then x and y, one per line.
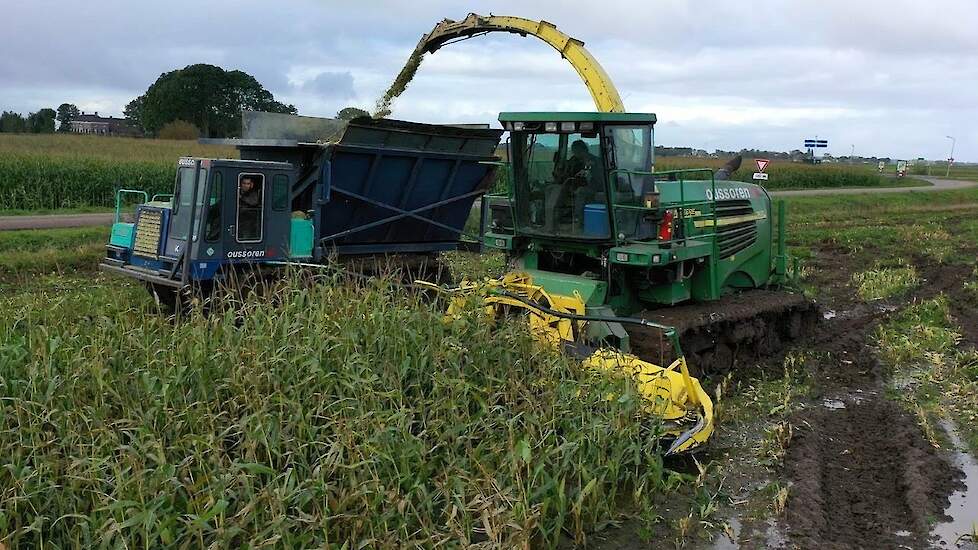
pixel 25 254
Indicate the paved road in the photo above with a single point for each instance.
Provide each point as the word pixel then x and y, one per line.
pixel 85 220
pixel 939 184
pixel 50 222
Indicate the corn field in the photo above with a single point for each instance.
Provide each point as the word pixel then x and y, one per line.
pixel 330 415
pixel 64 171
pixel 785 175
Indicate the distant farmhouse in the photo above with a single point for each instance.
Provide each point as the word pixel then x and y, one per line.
pixel 88 123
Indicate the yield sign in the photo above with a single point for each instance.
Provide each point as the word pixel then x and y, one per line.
pixel 762 164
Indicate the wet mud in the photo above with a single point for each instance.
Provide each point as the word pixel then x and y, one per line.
pixel 862 472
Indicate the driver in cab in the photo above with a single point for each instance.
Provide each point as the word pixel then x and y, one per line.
pixel 580 177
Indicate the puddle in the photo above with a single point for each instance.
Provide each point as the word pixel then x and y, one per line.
pixel 767 535
pixel 727 539
pixel 963 508
pixel 829 314
pixel 833 404
pixel 903 533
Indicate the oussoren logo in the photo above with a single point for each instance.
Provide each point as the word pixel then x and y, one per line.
pixel 246 254
pixel 727 194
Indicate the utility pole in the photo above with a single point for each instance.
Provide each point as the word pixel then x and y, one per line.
pixel 852 154
pixel 950 159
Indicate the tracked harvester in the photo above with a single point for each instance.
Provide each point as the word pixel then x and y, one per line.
pixel 586 218
pixel 607 254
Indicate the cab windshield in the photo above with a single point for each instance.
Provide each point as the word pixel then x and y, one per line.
pixel 560 185
pixel 183 197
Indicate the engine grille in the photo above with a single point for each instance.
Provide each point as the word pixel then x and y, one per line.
pixel 734 235
pixel 147 241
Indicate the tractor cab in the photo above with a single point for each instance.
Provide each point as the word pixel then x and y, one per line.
pixel 221 211
pixel 570 171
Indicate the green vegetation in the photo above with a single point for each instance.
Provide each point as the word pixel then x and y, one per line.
pixel 788 175
pixel 885 282
pixel 886 226
pixel 26 254
pixel 118 149
pixel 206 96
pixel 939 169
pixel 47 172
pixel 328 413
pixel 933 376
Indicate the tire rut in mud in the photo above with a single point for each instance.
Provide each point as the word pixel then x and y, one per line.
pixel 862 473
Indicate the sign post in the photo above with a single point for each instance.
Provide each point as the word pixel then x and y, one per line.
pixel 812 144
pixel 761 166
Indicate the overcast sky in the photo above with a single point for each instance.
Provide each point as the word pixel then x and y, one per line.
pixel 892 78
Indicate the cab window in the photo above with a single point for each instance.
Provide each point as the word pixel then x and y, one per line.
pixel 250 196
pixel 557 176
pixel 183 197
pixel 280 192
pixel 212 231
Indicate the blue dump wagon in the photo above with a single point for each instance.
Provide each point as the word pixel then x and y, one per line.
pixel 305 190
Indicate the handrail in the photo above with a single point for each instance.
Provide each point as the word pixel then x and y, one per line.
pixel 118 201
pixel 683 205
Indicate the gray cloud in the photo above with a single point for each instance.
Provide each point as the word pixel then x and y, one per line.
pixel 329 84
pixel 891 77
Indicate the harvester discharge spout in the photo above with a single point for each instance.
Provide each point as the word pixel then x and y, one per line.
pixel 599 84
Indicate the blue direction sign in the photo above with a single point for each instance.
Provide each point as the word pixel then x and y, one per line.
pixel 809 143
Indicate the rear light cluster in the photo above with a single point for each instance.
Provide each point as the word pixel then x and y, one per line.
pixel 665 226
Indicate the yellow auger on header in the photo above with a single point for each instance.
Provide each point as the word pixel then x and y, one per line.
pixel 671 393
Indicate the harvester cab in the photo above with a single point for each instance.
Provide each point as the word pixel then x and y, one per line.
pixel 586 215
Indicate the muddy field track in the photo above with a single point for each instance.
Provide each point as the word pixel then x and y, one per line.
pixel 862 472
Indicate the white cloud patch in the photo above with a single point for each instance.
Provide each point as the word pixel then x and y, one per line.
pixel 890 77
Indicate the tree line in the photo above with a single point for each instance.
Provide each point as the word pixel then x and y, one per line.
pixel 198 100
pixel 40 122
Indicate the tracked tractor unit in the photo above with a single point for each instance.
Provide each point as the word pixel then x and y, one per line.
pixel 306 190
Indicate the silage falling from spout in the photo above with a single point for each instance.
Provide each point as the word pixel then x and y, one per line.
pixel 383 107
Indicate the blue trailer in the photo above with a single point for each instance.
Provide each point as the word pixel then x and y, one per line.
pixel 303 193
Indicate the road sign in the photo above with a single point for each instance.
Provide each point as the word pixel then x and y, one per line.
pixel 762 164
pixel 810 143
pixel 760 176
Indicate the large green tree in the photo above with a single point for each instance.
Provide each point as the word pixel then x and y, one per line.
pixel 207 96
pixel 42 122
pixel 66 112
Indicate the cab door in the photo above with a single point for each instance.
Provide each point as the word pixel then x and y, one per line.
pixel 188 198
pixel 258 220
